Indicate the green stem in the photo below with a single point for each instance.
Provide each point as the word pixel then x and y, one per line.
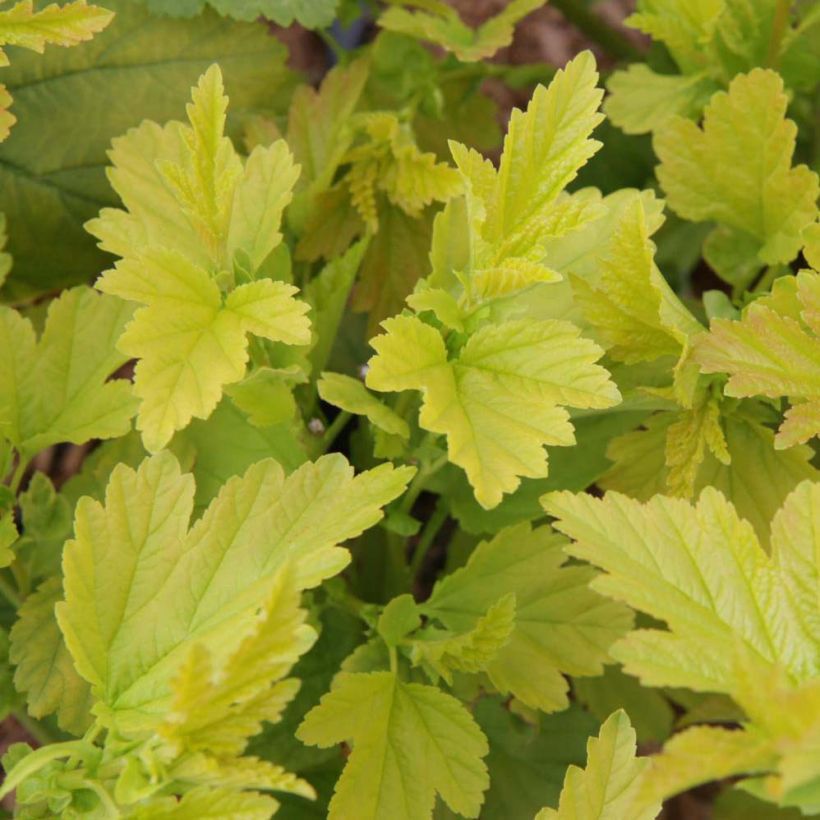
pixel 596 29
pixel 418 483
pixel 35 761
pixel 36 729
pixel 780 23
pixel 9 592
pixel 428 535
pixel 19 472
pixel 336 427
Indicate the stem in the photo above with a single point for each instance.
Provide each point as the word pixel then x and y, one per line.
pixel 32 763
pixel 596 29
pixel 780 23
pixel 36 729
pixel 17 476
pixel 418 483
pixel 336 427
pixel 9 592
pixel 428 535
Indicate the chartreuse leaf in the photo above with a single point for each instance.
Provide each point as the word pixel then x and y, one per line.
pixel 739 621
pixel 514 211
pixel 773 351
pixel 189 339
pixel 204 585
pixel 499 400
pixel 57 389
pixel 141 67
pixel 410 741
pixel 200 625
pixel 560 625
pixel 185 188
pixel 700 569
pixel 610 787
pixel 309 13
pixel 44 669
pixel 711 41
pixel 737 171
pixel 23 25
pixel 757 478
pixel 352 396
pixel 630 305
pixel 441 654
pixel 440 24
pixel 194 215
pixel 201 803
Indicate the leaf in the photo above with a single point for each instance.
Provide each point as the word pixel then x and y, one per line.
pixel 215 709
pixel 57 389
pixel 609 787
pixel 499 400
pixel 22 25
pixel 202 802
pixel 756 480
pixel 417 740
pixel 641 101
pixel 191 342
pixel 213 207
pixel 5 258
pixel 741 177
pixel 527 762
pixel 772 353
pixel 560 625
pixel 649 710
pixel 169 587
pixel 631 306
pixel 45 671
pixel 140 67
pixel 701 570
pixel 352 396
pixel 514 211
pixel 309 13
pixel 472 651
pixel 441 25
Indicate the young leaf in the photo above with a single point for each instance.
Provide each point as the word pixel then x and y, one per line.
pixel 560 624
pixel 773 353
pixel 736 170
pixel 514 211
pixel 472 651
pixel 440 24
pixel 757 478
pixel 609 788
pixel 352 396
pixel 410 742
pixel 189 339
pixel 58 389
pixel 170 588
pixel 499 401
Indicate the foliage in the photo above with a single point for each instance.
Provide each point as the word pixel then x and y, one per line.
pixel 372 465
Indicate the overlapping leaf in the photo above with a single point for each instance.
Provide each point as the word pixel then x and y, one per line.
pixel 57 389
pixel 309 13
pixel 737 171
pixel 410 741
pixel 196 218
pixel 501 398
pixel 440 24
pixel 560 625
pixel 610 787
pixel 739 621
pixel 213 579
